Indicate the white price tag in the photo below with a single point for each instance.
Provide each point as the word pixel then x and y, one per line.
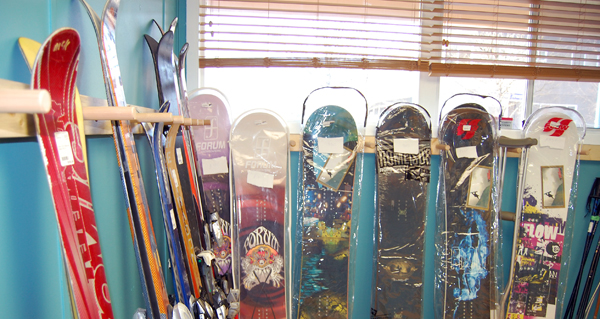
pixel 552 142
pixel 215 166
pixel 330 145
pixel 467 152
pixel 260 179
pixel 179 156
pixel 406 145
pixel 63 145
pixel 175 178
pixel 173 221
pixel 467 128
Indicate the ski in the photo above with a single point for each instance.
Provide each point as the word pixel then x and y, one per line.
pixel 260 161
pixel 55 69
pixel 151 277
pixel 154 132
pixel 548 171
pixel 403 151
pixel 330 144
pixel 592 207
pixel 468 173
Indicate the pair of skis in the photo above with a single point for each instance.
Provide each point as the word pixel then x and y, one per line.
pixel 199 228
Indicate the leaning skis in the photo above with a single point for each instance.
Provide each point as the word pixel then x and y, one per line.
pixel 151 277
pixel 55 70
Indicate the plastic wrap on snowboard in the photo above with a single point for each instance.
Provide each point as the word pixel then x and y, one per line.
pixel 260 161
pixel 467 256
pixel 403 152
pixel 541 252
pixel 328 201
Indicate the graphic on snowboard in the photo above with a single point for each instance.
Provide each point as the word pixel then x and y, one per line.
pixel 259 158
pixel 330 143
pixel 466 211
pixel 212 153
pixel 549 171
pixel 403 152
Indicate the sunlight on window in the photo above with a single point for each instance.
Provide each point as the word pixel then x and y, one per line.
pixel 284 90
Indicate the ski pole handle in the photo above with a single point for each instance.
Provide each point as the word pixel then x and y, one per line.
pixel 24 101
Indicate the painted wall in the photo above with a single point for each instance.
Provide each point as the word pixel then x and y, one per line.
pixel 32 281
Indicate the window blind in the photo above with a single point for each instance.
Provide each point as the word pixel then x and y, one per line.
pixel 536 39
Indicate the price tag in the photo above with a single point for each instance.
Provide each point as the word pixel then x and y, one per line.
pixel 179 156
pixel 173 221
pixel 406 145
pixel 260 179
pixel 216 165
pixel 552 142
pixel 467 152
pixel 330 145
pixel 63 145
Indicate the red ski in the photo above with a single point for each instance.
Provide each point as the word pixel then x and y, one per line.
pixel 55 70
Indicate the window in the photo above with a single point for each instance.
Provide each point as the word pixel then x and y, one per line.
pixel 273 53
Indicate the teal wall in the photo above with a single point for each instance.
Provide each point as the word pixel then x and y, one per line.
pixel 32 281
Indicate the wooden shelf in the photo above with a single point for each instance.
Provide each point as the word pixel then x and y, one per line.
pixel 15 125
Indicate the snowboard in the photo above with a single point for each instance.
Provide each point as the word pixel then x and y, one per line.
pixel 469 173
pixel 330 140
pixel 403 152
pixel 547 179
pixel 55 69
pixel 142 231
pixel 259 159
pixel 212 154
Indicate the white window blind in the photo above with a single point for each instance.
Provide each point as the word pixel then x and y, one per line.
pixel 538 39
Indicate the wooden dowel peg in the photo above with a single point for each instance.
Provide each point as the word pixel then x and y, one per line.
pixel 109 113
pixel 24 101
pixel 442 147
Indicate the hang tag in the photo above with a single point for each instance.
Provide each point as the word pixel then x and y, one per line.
pixel 179 156
pixel 406 145
pixel 330 145
pixel 467 152
pixel 466 128
pixel 216 165
pixel 552 142
pixel 63 145
pixel 260 179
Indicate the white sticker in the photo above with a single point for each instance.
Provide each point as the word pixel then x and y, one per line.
pixel 552 142
pixel 175 179
pixel 467 128
pixel 173 221
pixel 330 145
pixel 63 145
pixel 179 156
pixel 406 145
pixel 467 152
pixel 260 179
pixel 212 166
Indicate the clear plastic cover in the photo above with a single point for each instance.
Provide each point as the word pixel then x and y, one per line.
pixel 544 218
pixel 490 104
pixel 403 159
pixel 330 170
pixel 468 266
pixel 259 143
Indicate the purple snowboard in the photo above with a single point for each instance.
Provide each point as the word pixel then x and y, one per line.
pixel 212 153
